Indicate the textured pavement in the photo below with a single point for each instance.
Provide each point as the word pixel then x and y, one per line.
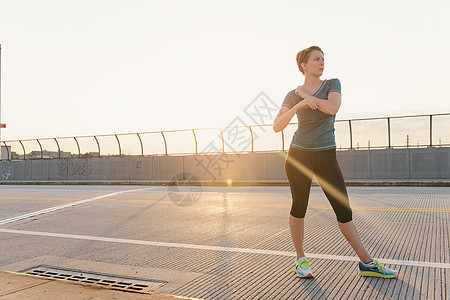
pixel 229 242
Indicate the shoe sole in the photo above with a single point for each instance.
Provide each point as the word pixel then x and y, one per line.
pixel 375 274
pixel 307 276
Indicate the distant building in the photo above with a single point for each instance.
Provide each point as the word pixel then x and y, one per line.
pixel 45 154
pixel 5 152
pixel 48 154
pixel 90 154
pixel 15 155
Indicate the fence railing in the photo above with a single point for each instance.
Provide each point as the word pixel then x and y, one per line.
pixel 431 130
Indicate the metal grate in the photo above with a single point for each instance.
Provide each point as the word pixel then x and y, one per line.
pixel 111 280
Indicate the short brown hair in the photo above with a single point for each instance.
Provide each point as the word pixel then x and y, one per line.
pixel 303 56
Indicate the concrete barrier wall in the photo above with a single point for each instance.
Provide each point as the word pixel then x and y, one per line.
pixel 417 164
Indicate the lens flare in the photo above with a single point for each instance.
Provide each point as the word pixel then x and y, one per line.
pixel 326 186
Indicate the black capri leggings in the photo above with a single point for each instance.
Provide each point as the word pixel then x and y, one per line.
pixel 300 166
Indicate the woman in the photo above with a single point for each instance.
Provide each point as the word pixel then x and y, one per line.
pixel 313 151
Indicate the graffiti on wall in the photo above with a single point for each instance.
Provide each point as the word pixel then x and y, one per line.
pixel 6 171
pixel 67 168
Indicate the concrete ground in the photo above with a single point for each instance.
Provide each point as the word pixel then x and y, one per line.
pixel 21 286
pixel 220 242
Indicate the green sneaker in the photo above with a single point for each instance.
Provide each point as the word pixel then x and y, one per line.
pixel 302 268
pixel 375 269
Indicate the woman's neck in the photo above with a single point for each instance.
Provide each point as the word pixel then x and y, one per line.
pixel 312 81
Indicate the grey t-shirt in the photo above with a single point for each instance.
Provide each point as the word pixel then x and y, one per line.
pixel 315 130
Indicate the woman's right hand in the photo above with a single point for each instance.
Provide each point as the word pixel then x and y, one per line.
pixel 308 102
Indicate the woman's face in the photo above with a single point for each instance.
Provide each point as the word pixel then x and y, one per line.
pixel 315 64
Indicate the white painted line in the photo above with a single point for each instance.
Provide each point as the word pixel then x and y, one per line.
pixel 218 248
pixel 50 209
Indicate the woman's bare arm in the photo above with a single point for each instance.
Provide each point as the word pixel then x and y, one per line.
pixel 285 116
pixel 330 106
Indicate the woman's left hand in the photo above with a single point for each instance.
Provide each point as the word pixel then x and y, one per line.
pixel 302 92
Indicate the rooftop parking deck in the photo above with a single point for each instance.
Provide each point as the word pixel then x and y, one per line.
pixel 228 242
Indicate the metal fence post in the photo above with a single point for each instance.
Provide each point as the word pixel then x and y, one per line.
pixel 0 94
pixel 98 145
pixel 195 138
pixel 40 146
pixel 223 143
pixel 431 130
pixel 118 142
pixel 78 145
pixel 165 142
pixel 251 134
pixel 24 155
pixel 351 134
pixel 389 132
pixel 142 145
pixel 59 149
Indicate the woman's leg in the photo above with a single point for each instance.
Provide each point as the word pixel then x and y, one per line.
pixel 330 178
pixel 297 227
pixel 299 172
pixel 351 235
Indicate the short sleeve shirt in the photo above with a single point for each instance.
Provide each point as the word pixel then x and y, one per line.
pixel 315 130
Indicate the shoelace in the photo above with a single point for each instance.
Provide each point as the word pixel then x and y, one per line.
pixel 303 264
pixel 380 266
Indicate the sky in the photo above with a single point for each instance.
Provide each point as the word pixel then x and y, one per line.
pixel 90 67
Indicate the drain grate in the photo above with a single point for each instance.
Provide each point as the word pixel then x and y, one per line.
pixel 118 281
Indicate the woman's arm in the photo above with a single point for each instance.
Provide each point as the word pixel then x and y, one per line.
pixel 283 118
pixel 330 106
pixel 285 115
